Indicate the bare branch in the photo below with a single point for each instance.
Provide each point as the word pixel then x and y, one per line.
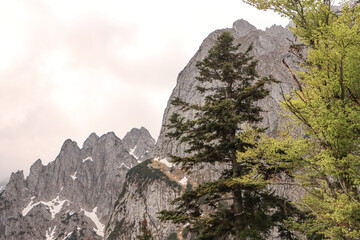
pixel 294 77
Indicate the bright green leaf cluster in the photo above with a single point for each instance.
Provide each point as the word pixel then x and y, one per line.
pixel 326 105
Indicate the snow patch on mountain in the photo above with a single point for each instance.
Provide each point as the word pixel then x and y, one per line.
pixel 54 206
pixel 88 159
pixel 67 235
pixel 164 161
pixel 123 164
pixel 132 153
pixel 28 207
pixel 50 235
pixel 74 176
pixel 99 229
pixel 183 181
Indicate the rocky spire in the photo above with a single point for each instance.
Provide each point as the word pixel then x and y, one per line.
pixel 90 141
pixel 139 143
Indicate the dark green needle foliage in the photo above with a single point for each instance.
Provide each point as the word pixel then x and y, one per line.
pixel 239 204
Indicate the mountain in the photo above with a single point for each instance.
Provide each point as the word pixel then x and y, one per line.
pixel 73 196
pixel 149 193
pixel 139 143
pixel 106 187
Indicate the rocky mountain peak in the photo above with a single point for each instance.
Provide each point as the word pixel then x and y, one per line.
pixel 69 146
pixel 35 171
pixel 70 196
pixel 275 30
pixel 18 190
pixel 135 135
pixel 109 139
pixel 36 167
pixel 243 28
pixel 139 143
pixel 90 141
pixel 110 135
pixel 16 177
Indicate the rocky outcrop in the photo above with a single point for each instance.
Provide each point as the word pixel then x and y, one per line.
pixel 269 48
pixel 147 189
pixel 72 196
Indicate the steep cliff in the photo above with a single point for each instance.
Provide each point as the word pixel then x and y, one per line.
pixel 269 48
pixel 72 196
pixel 147 189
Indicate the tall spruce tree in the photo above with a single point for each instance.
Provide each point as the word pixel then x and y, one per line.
pixel 239 204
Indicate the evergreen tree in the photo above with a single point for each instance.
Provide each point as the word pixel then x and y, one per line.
pixel 145 233
pixel 238 204
pixel 326 105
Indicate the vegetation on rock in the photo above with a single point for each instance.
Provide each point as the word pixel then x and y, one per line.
pixel 145 174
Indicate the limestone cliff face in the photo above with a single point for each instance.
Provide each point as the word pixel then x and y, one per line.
pixel 269 47
pixel 71 196
pixel 147 189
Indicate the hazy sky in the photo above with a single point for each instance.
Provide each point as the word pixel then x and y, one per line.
pixel 70 68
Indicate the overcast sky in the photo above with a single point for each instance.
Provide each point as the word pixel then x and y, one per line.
pixel 72 67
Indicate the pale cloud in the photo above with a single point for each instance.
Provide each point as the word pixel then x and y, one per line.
pixel 72 67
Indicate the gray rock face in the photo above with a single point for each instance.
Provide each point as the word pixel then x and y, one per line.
pixel 146 190
pixel 139 144
pixel 71 196
pixel 269 47
pixel 90 141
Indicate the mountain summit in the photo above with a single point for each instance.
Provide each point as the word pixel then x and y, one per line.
pixel 74 194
